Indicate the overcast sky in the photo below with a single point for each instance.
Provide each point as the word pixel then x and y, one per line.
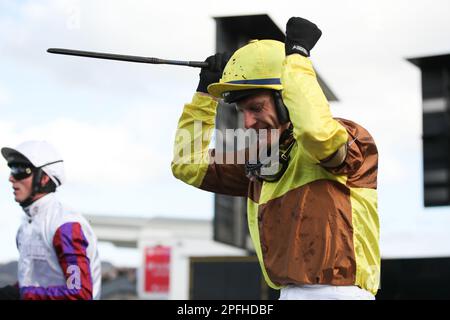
pixel 114 122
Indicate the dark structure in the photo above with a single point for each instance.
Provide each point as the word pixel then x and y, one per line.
pixel 228 278
pixel 436 128
pixel 233 278
pixel 230 217
pixel 426 278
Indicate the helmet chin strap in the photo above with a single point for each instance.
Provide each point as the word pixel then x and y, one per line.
pixel 280 107
pixel 35 188
pixel 253 170
pixel 36 184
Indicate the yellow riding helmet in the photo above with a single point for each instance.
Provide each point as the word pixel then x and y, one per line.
pixel 256 65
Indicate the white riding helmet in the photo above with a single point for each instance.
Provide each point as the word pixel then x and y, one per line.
pixel 40 154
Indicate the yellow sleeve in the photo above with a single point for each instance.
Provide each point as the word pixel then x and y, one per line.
pixel 309 111
pixel 196 164
pixel 192 138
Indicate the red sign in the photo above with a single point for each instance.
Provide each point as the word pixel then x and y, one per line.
pixel 157 270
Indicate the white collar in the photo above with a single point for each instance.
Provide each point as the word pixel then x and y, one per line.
pixel 37 206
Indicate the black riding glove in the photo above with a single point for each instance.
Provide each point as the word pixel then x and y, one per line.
pixel 301 36
pixel 213 72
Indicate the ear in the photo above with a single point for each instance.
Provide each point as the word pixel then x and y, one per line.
pixel 44 180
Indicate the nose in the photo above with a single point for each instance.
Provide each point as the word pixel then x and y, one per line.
pixel 11 179
pixel 249 119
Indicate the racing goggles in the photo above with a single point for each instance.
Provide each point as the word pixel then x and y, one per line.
pixel 257 170
pixel 20 171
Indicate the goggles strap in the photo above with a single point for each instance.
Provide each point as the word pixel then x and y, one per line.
pixel 35 186
pixel 253 171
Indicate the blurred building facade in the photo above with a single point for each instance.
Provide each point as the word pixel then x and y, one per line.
pixel 435 74
pixel 170 254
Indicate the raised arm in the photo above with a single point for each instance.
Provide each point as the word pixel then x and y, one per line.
pixel 314 127
pixel 193 162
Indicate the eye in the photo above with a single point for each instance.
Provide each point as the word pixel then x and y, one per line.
pixel 256 108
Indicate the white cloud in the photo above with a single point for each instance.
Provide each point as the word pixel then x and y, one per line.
pixel 101 154
pixel 112 26
pixel 5 97
pixel 392 169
